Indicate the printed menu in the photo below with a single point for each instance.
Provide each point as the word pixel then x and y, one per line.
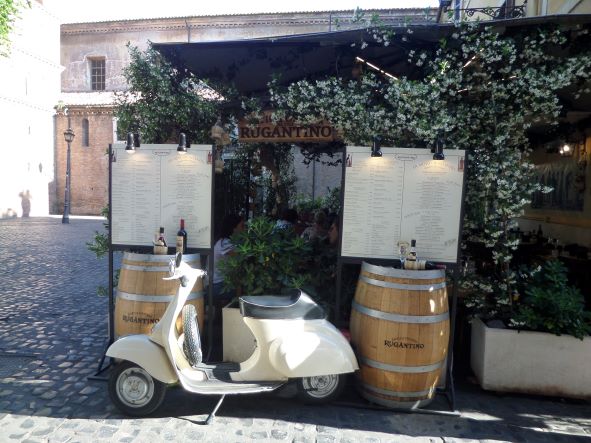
pixel 156 186
pixel 401 196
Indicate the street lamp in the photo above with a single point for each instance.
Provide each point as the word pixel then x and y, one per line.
pixel 69 137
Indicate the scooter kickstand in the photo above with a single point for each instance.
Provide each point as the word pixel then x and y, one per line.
pixel 217 406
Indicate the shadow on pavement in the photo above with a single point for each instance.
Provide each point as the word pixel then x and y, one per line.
pixel 510 418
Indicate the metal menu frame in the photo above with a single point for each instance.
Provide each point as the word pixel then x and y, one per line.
pixel 147 249
pixel 448 390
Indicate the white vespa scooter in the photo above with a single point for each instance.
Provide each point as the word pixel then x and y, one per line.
pixel 293 341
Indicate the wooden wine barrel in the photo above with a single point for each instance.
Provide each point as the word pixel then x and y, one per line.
pixel 142 294
pixel 400 332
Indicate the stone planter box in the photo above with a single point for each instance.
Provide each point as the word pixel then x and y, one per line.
pixel 531 362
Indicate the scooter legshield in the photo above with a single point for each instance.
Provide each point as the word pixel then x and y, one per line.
pixel 140 350
pixel 319 350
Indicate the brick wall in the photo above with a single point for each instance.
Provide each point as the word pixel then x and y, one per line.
pixel 89 178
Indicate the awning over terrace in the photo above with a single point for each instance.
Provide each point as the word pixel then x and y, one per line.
pixel 251 64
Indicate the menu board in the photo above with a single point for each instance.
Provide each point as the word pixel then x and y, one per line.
pixel 401 196
pixel 156 186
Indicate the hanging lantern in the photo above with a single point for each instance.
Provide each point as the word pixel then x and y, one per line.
pixel 217 131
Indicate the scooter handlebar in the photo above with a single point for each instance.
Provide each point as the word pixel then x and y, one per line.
pixel 177 269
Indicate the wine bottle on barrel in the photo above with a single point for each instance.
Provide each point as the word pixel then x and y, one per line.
pixel 160 246
pixel 540 235
pixel 412 252
pixel 161 238
pixel 181 238
pixel 413 263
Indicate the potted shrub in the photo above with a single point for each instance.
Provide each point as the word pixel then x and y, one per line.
pixel 267 261
pixel 543 346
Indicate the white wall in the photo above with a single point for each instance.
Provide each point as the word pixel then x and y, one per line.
pixel 29 90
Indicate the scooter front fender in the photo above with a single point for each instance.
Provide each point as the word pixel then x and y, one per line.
pixel 320 349
pixel 145 353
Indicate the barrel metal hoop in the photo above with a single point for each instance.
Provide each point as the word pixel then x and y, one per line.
pixel 386 284
pixel 400 318
pixel 144 268
pixel 403 273
pixel 406 369
pixel 156 298
pixel 409 394
pixel 158 258
pixel 396 404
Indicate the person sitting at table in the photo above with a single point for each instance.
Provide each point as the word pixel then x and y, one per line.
pixel 318 230
pixel 288 219
pixel 333 233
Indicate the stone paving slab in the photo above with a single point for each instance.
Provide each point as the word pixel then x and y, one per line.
pixel 53 328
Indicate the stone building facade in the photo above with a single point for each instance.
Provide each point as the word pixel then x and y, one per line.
pixel 84 46
pixel 90 116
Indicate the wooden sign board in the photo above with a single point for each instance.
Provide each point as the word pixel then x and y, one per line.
pixel 401 196
pixel 284 131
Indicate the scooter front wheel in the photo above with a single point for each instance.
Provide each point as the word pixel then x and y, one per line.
pixel 134 391
pixel 320 389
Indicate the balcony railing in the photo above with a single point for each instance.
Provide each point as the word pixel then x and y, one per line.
pixel 495 13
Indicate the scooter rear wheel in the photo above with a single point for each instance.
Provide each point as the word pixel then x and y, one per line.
pixel 134 391
pixel 320 389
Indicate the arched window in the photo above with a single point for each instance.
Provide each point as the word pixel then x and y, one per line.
pixel 85 133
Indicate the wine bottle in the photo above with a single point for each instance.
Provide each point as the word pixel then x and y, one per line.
pixel 413 263
pixel 540 234
pixel 397 264
pixel 181 238
pixel 422 265
pixel 160 243
pixel 412 252
pixel 161 239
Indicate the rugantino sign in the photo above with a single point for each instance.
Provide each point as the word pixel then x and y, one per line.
pixel 285 131
pixel 140 318
pixel 403 343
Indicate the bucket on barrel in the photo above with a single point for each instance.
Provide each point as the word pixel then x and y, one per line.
pixel 143 295
pixel 400 331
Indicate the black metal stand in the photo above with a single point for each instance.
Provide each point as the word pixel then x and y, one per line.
pixel 146 249
pixel 110 317
pixel 449 389
pixel 97 375
pixel 210 308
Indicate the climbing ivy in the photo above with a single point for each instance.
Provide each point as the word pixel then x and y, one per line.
pixel 163 100
pixel 478 90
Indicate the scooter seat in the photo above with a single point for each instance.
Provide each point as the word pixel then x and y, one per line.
pixel 295 306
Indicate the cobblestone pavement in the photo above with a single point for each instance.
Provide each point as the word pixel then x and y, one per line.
pixel 52 336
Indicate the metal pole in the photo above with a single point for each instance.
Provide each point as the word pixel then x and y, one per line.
pixel 314 180
pixel 66 217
